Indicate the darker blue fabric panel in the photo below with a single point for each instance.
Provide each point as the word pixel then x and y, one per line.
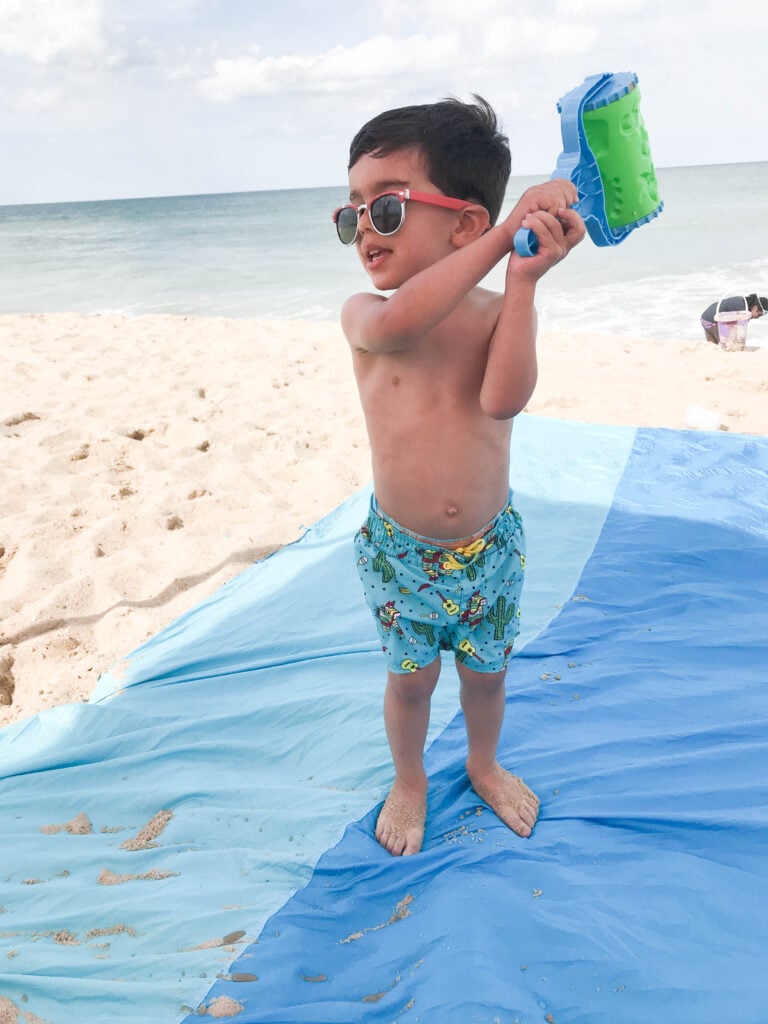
pixel 639 716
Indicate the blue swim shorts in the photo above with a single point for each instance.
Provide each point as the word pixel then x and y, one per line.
pixel 426 598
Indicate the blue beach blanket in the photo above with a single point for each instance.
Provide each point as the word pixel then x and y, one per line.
pixel 197 841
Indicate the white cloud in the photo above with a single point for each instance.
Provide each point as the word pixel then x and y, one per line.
pixel 44 31
pixel 373 60
pixel 458 51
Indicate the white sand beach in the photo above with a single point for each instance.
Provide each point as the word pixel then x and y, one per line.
pixel 147 460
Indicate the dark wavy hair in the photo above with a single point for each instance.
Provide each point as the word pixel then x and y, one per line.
pixel 465 153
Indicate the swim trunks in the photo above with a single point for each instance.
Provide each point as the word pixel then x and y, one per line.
pixel 426 597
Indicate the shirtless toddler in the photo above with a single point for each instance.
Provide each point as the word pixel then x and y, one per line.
pixel 442 367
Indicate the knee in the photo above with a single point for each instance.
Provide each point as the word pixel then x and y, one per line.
pixel 415 686
pixel 485 684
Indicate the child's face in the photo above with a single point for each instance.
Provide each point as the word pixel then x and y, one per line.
pixel 425 236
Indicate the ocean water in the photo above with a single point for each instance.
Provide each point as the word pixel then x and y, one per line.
pixel 275 255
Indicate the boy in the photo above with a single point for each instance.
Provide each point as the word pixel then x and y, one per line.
pixel 442 367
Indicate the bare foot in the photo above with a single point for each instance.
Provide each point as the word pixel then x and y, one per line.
pixel 400 828
pixel 509 797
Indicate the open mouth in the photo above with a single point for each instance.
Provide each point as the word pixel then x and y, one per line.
pixel 375 254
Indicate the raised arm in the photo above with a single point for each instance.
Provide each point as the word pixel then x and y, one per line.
pixel 379 323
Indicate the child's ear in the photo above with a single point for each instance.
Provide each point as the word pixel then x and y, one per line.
pixel 472 222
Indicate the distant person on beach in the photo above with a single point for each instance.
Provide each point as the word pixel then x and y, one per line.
pixel 756 306
pixel 443 366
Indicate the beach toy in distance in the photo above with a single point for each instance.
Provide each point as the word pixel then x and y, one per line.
pixel 607 156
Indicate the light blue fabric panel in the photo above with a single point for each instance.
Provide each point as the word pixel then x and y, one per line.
pixel 247 736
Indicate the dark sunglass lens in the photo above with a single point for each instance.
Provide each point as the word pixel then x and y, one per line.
pixel 346 224
pixel 387 214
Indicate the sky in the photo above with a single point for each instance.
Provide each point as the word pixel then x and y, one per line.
pixel 103 99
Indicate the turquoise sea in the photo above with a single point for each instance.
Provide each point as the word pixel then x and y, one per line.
pixel 275 255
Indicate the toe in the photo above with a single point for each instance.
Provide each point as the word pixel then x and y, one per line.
pixel 412 845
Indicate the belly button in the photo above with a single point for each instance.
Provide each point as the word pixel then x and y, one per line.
pixel 451 511
pixel 395 381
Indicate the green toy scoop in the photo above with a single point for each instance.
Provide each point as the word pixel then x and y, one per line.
pixel 607 156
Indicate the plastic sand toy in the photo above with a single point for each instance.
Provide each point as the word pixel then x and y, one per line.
pixel 607 156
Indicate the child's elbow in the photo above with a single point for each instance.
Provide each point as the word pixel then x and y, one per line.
pixel 505 403
pixel 497 409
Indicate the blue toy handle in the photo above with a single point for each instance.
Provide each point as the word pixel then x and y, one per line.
pixel 526 242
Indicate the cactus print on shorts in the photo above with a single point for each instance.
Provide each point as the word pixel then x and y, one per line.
pixel 426 598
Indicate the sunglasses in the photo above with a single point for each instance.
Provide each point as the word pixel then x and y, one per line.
pixel 387 212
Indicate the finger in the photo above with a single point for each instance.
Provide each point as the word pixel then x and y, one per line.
pixel 545 225
pixel 567 190
pixel 573 227
pixel 553 245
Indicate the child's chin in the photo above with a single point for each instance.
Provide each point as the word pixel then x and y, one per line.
pixel 384 281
